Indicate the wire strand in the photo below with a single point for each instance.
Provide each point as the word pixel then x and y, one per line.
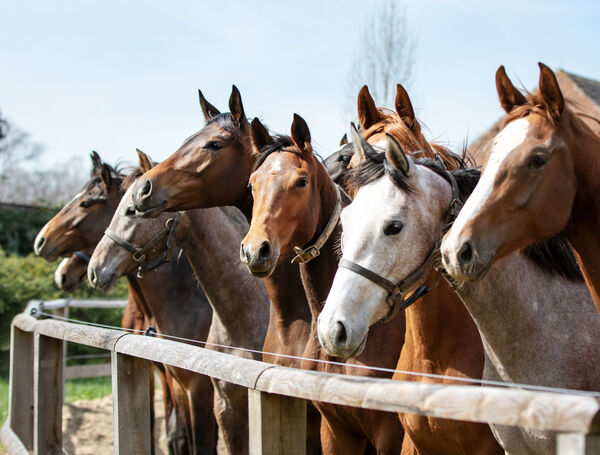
pixel 537 388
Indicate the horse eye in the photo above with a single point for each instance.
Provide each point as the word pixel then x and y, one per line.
pixel 537 161
pixel 130 211
pixel 85 204
pixel 302 182
pixel 214 145
pixel 393 228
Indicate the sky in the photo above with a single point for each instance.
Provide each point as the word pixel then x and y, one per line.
pixel 112 75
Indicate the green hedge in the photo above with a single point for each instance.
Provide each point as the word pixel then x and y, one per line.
pixel 32 278
pixel 18 228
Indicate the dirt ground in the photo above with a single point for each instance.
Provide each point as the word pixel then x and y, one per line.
pixel 88 426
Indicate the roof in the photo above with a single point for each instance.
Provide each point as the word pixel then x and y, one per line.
pixel 581 93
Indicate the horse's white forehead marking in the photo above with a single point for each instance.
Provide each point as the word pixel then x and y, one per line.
pixel 504 144
pixel 275 165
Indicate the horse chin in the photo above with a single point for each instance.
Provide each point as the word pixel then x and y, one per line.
pixel 360 348
pixel 475 272
pixel 262 273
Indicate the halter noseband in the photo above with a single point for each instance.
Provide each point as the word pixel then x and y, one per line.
pixel 81 255
pixel 309 253
pixel 395 297
pixel 139 254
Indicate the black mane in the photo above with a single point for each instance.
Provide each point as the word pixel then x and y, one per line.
pixel 279 142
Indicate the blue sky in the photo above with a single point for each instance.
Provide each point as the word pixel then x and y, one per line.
pixel 113 75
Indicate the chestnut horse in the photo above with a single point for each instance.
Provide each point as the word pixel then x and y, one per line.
pixel 210 239
pixel 193 178
pixel 541 178
pixel 296 206
pixel 79 226
pixel 515 306
pixel 441 338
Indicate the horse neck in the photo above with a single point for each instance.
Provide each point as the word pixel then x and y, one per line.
pixel 169 295
pixel 516 300
pixel 582 230
pixel 210 239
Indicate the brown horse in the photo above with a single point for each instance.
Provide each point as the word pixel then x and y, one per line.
pixel 210 239
pixel 193 178
pixel 296 205
pixel 79 225
pixel 541 178
pixel 72 271
pixel 441 338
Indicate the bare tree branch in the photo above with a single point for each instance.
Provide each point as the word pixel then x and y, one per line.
pixel 384 56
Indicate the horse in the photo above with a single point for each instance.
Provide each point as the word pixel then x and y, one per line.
pixel 71 271
pixel 541 179
pixel 295 217
pixel 441 338
pixel 79 226
pixel 337 163
pixel 210 240
pixel 527 307
pixel 192 178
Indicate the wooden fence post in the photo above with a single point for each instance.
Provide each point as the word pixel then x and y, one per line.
pixel 577 444
pixel 47 395
pixel 131 404
pixel 20 396
pixel 277 424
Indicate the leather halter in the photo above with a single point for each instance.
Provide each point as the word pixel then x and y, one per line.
pixel 309 253
pixel 395 297
pixel 139 254
pixel 81 255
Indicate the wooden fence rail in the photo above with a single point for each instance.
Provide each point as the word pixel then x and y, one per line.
pixel 276 394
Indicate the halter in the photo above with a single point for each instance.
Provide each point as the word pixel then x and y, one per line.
pixel 309 253
pixel 395 291
pixel 139 254
pixel 81 255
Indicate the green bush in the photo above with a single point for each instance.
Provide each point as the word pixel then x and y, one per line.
pixel 32 278
pixel 18 228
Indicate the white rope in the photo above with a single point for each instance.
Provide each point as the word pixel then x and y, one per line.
pixel 537 388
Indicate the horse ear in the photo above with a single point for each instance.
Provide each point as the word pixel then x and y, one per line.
pixel 96 163
pixel 145 161
pixel 344 140
pixel 368 114
pixel 208 109
pixel 510 96
pixel 301 134
pixel 235 106
pixel 395 155
pixel 259 135
pixel 404 107
pixel 106 175
pixel 550 91
pixel 360 145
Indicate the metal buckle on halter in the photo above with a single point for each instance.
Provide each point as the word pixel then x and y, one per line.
pixel 139 256
pixel 304 256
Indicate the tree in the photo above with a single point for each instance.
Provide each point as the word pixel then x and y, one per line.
pixel 384 56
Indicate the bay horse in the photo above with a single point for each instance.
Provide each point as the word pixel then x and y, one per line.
pixel 541 179
pixel 193 178
pixel 523 306
pixel 79 226
pixel 296 206
pixel 441 338
pixel 210 240
pixel 71 271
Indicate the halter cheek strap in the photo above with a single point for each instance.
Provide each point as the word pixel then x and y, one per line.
pixel 309 253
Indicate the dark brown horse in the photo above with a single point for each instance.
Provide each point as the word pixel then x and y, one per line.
pixel 193 178
pixel 541 178
pixel 80 226
pixel 297 205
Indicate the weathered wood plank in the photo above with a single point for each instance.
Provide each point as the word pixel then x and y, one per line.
pixel 277 424
pixel 47 395
pixel 131 404
pixel 20 395
pixel 11 441
pixel 578 444
pixel 87 371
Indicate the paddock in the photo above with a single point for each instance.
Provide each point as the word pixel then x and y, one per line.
pixel 277 395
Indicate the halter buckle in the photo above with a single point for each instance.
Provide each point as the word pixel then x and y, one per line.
pixel 139 256
pixel 304 256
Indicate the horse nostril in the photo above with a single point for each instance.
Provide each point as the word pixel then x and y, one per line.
pixel 146 189
pixel 465 254
pixel 265 250
pixel 39 243
pixel 63 280
pixel 341 335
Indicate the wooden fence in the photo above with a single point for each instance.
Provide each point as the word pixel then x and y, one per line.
pixel 277 411
pixel 60 307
